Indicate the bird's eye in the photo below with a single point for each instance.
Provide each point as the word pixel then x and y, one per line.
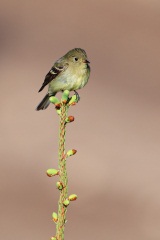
pixel 76 59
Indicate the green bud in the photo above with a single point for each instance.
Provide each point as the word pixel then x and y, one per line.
pixel 55 101
pixel 55 217
pixel 65 96
pixel 72 197
pixel 73 100
pixel 59 185
pixel 52 172
pixel 66 202
pixel 71 152
pixel 53 238
pixel 69 119
pixel 59 111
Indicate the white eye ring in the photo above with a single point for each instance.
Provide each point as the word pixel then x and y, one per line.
pixel 76 59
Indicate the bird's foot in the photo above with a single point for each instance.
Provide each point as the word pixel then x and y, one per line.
pixel 77 96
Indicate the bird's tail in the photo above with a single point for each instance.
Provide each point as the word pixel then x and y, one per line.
pixel 44 103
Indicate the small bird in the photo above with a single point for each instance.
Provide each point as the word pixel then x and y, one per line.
pixel 70 72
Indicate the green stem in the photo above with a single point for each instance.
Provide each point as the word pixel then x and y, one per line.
pixel 62 174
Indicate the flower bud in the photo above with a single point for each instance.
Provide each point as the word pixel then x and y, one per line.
pixel 72 197
pixel 66 202
pixel 71 152
pixel 59 185
pixel 69 119
pixel 52 172
pixel 55 217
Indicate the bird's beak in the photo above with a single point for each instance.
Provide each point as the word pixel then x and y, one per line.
pixel 86 61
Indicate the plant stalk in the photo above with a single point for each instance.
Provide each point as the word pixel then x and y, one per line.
pixel 60 226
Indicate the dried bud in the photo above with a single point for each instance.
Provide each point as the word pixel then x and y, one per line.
pixel 58 106
pixel 55 217
pixel 69 119
pixel 72 197
pixel 66 202
pixel 71 152
pixel 59 185
pixel 52 172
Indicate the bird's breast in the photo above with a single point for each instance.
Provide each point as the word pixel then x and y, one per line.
pixel 70 80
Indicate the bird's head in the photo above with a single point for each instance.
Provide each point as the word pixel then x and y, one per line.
pixel 77 57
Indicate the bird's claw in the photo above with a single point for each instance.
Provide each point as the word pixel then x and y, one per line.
pixel 77 96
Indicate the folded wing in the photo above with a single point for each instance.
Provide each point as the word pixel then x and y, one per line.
pixel 52 74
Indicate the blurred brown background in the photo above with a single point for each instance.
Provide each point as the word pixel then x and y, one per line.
pixel 116 171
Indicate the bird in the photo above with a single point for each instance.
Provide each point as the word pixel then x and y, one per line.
pixel 70 72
